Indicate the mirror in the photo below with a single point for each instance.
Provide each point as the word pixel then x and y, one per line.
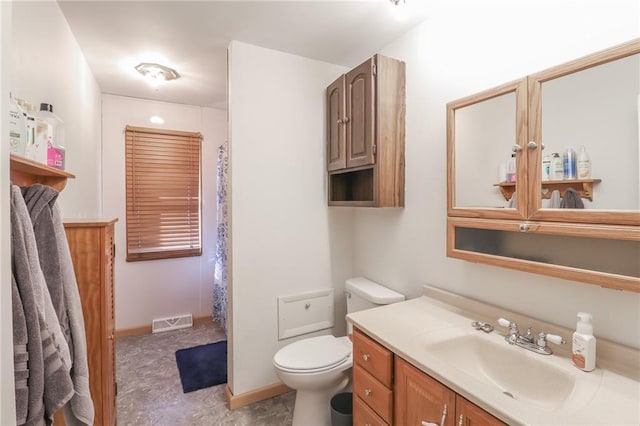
pixel 484 134
pixel 598 108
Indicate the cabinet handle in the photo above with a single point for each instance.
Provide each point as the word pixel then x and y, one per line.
pixel 516 148
pixel 461 420
pixel 443 420
pixel 366 357
pixel 367 392
pixel 532 145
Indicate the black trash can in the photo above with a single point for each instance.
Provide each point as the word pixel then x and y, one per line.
pixel 342 409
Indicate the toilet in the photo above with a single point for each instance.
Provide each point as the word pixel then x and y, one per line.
pixel 319 367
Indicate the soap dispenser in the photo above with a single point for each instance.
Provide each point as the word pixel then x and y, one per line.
pixel 584 344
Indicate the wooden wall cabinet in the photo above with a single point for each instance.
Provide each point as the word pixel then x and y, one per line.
pixel 365 120
pixel 600 92
pixel 387 390
pixel 93 254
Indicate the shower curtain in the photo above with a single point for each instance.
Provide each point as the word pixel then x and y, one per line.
pixel 220 273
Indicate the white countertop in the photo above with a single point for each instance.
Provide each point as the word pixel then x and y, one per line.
pixel 605 396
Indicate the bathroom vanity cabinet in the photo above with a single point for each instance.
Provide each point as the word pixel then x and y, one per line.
pixel 418 398
pixel 387 390
pixel 365 126
pixel 591 101
pixel 92 248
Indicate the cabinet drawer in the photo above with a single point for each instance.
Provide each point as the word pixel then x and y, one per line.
pixel 364 416
pixel 373 393
pixel 373 357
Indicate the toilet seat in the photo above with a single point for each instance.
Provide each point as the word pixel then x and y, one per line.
pixel 312 355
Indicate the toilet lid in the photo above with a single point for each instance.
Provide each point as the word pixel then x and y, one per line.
pixel 314 353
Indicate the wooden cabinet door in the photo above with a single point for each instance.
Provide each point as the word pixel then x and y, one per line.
pixel 336 150
pixel 469 414
pixel 109 359
pixel 419 398
pixel 360 117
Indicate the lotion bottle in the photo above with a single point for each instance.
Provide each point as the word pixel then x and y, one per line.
pixel 584 344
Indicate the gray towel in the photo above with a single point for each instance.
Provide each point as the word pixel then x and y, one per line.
pixel 41 291
pixel 35 364
pixel 39 200
pixel 20 354
pixel 80 410
pixel 571 200
pixel 49 383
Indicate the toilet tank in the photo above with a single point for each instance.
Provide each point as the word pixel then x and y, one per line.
pixel 362 293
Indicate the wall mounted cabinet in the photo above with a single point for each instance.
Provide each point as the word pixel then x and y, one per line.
pixel 592 101
pixel 365 120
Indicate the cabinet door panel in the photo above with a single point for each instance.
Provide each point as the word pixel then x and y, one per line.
pixel 336 154
pixel 419 398
pixel 360 124
pixel 469 414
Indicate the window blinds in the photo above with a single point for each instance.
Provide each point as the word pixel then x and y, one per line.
pixel 163 193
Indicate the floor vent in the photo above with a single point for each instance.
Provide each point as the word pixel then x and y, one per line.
pixel 173 323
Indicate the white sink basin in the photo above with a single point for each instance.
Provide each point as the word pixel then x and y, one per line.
pixel 536 380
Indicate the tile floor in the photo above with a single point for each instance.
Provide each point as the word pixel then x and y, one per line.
pixel 150 393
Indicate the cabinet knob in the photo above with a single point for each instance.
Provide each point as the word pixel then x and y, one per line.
pixel 524 227
pixel 346 119
pixel 367 392
pixel 461 420
pixel 110 337
pixel 339 121
pixel 532 145
pixel 366 357
pixel 516 148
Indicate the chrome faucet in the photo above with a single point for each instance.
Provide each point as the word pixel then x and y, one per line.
pixel 537 345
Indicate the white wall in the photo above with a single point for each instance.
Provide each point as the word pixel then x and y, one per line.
pixel 169 287
pixel 7 396
pixel 455 53
pixel 285 239
pixel 46 65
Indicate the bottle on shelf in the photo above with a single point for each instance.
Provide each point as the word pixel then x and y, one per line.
pixel 511 168
pixel 583 164
pixel 49 141
pixel 546 167
pixel 557 169
pixel 17 128
pixel 569 164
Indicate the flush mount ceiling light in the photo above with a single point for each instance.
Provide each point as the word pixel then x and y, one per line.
pixel 156 73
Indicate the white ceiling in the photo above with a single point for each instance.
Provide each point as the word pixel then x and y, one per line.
pixel 192 37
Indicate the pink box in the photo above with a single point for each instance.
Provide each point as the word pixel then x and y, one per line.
pixel 55 157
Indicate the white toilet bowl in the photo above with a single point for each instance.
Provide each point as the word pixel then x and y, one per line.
pixel 317 368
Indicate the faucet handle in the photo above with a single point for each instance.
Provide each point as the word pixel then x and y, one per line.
pixel 505 322
pixel 543 338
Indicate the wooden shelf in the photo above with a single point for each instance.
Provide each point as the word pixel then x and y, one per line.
pixel 26 172
pixel 583 186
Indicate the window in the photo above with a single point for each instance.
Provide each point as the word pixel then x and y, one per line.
pixel 163 193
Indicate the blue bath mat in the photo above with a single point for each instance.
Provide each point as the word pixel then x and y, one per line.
pixel 202 366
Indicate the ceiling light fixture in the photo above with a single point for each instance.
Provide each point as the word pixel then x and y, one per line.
pixel 156 73
pixel 399 9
